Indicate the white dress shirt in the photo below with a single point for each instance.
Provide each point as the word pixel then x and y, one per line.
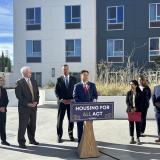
pixel 134 98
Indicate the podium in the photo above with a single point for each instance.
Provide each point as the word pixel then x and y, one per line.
pixel 88 147
pixel 87 112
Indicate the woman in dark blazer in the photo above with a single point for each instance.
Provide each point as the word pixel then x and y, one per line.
pixel 135 103
pixel 3 109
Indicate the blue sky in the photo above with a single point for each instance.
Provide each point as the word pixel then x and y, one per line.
pixel 6 26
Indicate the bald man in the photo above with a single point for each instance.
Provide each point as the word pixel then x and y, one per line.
pixel 27 94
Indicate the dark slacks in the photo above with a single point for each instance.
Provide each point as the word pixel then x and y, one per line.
pixel 79 130
pixel 158 122
pixel 143 120
pixel 61 113
pixel 138 128
pixel 3 126
pixel 27 120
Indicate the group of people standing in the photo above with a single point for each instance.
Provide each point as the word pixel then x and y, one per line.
pixel 27 94
pixel 67 90
pixel 138 100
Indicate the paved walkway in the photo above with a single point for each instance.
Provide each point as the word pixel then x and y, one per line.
pixel 112 138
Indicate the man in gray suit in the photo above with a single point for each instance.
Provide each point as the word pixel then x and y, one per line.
pixel 27 94
pixel 156 103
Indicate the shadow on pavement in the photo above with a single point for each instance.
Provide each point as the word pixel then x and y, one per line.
pixel 129 152
pixel 48 106
pixel 119 151
pixel 153 136
pixel 47 150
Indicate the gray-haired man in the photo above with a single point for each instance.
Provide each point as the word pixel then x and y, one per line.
pixel 27 94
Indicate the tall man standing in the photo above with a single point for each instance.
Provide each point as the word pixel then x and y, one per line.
pixel 84 91
pixel 147 95
pixel 27 94
pixel 64 92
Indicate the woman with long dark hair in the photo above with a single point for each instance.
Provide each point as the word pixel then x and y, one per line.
pixel 135 103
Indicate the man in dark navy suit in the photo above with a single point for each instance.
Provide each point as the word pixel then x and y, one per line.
pixel 64 92
pixel 84 91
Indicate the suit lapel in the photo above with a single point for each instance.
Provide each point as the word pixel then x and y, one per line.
pixel 63 81
pixel 26 86
pixel 70 81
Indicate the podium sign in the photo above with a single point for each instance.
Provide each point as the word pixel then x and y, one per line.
pixel 88 111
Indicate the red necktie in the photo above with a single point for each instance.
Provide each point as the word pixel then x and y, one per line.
pixel 85 88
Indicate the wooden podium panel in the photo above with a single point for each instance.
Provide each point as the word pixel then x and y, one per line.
pixel 88 147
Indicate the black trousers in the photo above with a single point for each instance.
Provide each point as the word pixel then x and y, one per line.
pixel 27 120
pixel 80 130
pixel 158 122
pixel 3 126
pixel 143 120
pixel 61 113
pixel 138 128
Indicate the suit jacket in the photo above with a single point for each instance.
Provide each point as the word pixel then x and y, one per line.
pixel 4 98
pixel 79 94
pixel 139 101
pixel 23 92
pixel 147 94
pixel 63 92
pixel 156 97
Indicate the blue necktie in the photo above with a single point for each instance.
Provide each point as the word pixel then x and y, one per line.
pixel 66 81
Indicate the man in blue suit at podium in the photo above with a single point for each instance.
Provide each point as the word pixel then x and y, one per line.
pixel 84 91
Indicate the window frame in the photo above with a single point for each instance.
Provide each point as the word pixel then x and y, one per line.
pixel 74 47
pixel 114 50
pixel 153 50
pixel 34 20
pixel 34 76
pixel 33 56
pixel 156 15
pixel 71 14
pixel 116 17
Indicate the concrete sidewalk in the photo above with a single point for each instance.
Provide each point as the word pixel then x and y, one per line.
pixel 112 138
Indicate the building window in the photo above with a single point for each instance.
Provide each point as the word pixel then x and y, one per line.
pixel 154 48
pixel 73 50
pixel 53 72
pixel 115 18
pixel 154 15
pixel 76 75
pixel 33 18
pixel 72 17
pixel 38 77
pixel 33 51
pixel 115 50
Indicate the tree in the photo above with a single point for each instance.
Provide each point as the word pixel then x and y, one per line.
pixel 2 63
pixel 5 63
